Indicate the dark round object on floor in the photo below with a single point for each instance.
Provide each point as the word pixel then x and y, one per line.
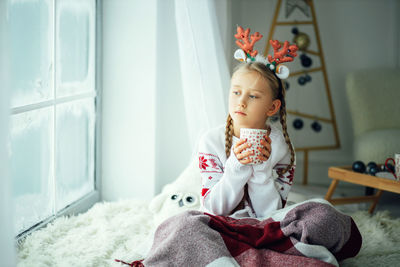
pixel 358 166
pixel 316 126
pixel 298 124
pixel 301 80
pixel 308 78
pixel 295 31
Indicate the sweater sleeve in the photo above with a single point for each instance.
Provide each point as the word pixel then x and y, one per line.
pixel 268 191
pixel 222 186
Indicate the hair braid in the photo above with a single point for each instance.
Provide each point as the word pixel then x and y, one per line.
pixel 228 144
pixel 228 136
pixel 282 113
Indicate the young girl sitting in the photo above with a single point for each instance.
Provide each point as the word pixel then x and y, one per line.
pixel 244 221
pixel 227 177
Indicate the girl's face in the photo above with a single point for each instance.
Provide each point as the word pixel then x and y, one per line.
pixel 250 101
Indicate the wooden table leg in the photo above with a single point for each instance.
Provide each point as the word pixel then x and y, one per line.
pixel 373 205
pixel 331 189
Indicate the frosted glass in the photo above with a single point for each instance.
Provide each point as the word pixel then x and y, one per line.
pixel 74 151
pixel 31 151
pixel 31 49
pixel 75 46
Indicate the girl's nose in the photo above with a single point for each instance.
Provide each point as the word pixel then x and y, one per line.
pixel 242 103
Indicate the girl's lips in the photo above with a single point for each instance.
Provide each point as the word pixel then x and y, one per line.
pixel 240 113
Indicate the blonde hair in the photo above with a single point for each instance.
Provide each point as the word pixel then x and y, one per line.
pixel 277 93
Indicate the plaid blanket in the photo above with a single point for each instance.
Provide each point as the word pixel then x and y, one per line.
pixel 310 233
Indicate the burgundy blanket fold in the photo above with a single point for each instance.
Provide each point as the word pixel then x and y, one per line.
pixel 311 233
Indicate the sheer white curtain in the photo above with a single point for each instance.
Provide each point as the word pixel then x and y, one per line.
pixel 6 223
pixel 203 64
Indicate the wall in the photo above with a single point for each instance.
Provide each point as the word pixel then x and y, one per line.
pixel 128 130
pixel 355 34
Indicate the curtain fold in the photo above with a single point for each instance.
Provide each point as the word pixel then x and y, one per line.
pixel 204 68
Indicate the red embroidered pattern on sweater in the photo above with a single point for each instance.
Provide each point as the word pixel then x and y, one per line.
pixel 208 163
pixel 286 179
pixel 202 163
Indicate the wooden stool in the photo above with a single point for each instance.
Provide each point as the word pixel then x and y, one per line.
pixel 346 174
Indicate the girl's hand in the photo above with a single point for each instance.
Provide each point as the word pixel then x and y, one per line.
pixel 265 149
pixel 238 149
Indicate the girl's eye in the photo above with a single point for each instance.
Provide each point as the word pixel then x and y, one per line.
pixel 236 93
pixel 253 96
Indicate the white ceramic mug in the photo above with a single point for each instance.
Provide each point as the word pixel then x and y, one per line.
pixel 396 162
pixel 254 137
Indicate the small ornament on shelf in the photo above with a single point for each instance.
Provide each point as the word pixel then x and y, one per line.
pixel 301 39
pixel 306 61
pixel 358 166
pixel 298 124
pixel 372 168
pixel 302 80
pixel 316 126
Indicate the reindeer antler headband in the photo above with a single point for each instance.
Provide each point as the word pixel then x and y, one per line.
pixel 246 53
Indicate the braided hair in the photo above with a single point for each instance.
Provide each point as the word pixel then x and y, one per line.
pixel 278 92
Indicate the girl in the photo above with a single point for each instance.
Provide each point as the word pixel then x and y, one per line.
pixel 228 180
pixel 245 223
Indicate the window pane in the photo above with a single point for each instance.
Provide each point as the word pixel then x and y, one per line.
pixel 32 166
pixel 30 51
pixel 74 151
pixel 75 46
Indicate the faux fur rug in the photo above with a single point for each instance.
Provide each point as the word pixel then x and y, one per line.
pixel 124 230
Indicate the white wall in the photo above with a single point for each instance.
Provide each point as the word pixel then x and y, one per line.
pixel 128 130
pixel 7 253
pixel 355 34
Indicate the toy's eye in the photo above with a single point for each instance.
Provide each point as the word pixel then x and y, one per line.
pixel 189 199
pixel 173 197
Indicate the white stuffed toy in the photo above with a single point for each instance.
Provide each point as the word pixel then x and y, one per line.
pixel 184 194
pixel 181 195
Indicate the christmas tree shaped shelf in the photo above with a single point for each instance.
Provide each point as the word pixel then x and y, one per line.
pixel 311 117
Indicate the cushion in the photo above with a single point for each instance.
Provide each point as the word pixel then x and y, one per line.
pixel 377 145
pixel 373 97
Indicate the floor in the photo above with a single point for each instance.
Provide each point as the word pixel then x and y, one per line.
pixel 388 201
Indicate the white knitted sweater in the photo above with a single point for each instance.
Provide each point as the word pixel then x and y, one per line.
pixel 224 180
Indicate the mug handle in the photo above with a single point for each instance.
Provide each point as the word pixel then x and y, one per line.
pixel 386 162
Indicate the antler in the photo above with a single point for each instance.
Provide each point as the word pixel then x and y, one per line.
pixel 247 46
pixel 287 54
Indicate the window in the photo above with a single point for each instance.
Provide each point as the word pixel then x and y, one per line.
pixel 54 102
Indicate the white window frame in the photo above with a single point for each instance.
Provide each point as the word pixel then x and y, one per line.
pixel 87 201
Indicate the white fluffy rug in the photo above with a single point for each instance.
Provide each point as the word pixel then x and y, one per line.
pixel 124 230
